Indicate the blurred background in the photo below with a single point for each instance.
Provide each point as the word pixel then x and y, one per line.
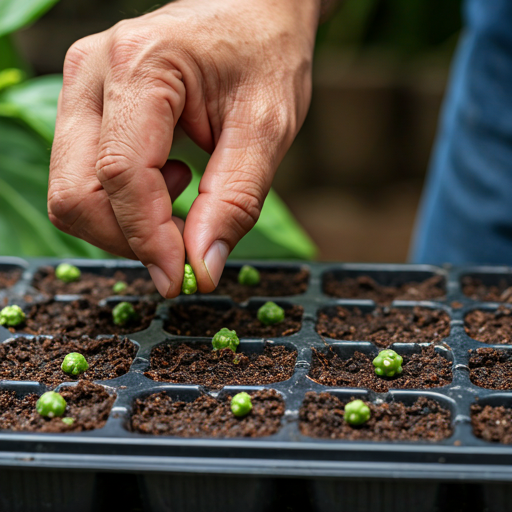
pixel 353 177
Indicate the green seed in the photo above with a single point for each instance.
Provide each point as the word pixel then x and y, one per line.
pixel 123 313
pixel 241 404
pixel 388 363
pixel 68 421
pixel 51 404
pixel 189 285
pixel 74 364
pixel 119 287
pixel 356 412
pixel 12 316
pixel 248 276
pixel 67 273
pixel 270 313
pixel 225 339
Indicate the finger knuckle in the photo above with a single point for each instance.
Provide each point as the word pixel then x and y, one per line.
pixel 75 58
pixel 111 171
pixel 63 203
pixel 126 43
pixel 245 197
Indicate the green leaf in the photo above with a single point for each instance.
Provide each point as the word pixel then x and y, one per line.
pixel 35 103
pixel 15 14
pixel 10 57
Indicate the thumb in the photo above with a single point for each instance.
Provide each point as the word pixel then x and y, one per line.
pixel 231 195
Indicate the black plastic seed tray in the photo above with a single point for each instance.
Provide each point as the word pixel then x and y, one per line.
pixel 62 472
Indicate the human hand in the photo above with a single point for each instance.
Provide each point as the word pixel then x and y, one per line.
pixel 236 74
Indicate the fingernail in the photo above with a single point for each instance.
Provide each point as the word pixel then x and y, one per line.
pixel 215 260
pixel 162 282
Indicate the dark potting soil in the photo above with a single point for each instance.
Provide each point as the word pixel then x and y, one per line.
pixel 492 423
pixel 199 364
pixel 201 320
pixel 491 369
pixel 364 287
pixel 424 370
pixel 494 327
pixel 273 283
pixel 87 403
pixel 158 414
pixel 39 359
pixel 9 278
pixel 93 286
pixel 81 317
pixel 475 289
pixel 321 415
pixel 384 326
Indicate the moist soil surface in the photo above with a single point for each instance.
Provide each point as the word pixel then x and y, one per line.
pixel 423 370
pixel 199 364
pixel 493 327
pixel 475 289
pixel 87 403
pixel 321 415
pixel 384 326
pixel 91 285
pixel 492 423
pixel 39 359
pixel 491 369
pixel 273 283
pixel 158 414
pixel 9 278
pixel 364 287
pixel 82 317
pixel 201 320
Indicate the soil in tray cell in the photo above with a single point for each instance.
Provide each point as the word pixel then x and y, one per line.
pixel 87 403
pixel 423 370
pixel 273 283
pixel 9 278
pixel 201 320
pixel 475 289
pixel 493 327
pixel 39 359
pixel 384 326
pixel 489 368
pixel 92 285
pixel 158 414
pixel 81 317
pixel 321 415
pixel 364 287
pixel 492 423
pixel 199 364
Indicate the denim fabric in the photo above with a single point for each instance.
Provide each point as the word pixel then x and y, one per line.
pixel 466 211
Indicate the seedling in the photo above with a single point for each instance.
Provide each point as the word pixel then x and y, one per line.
pixel 356 412
pixel 51 404
pixel 225 339
pixel 189 285
pixel 270 313
pixel 241 404
pixel 123 313
pixel 68 421
pixel 388 363
pixel 248 276
pixel 67 273
pixel 74 364
pixel 119 287
pixel 12 316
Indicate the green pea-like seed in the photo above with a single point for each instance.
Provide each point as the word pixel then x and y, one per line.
pixel 119 287
pixel 388 363
pixel 12 316
pixel 123 313
pixel 74 364
pixel 270 313
pixel 51 404
pixel 248 276
pixel 67 273
pixel 68 421
pixel 225 339
pixel 356 412
pixel 241 404
pixel 189 285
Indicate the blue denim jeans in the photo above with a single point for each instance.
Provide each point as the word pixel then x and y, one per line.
pixel 466 211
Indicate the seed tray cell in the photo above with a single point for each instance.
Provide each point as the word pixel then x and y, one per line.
pixel 210 474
